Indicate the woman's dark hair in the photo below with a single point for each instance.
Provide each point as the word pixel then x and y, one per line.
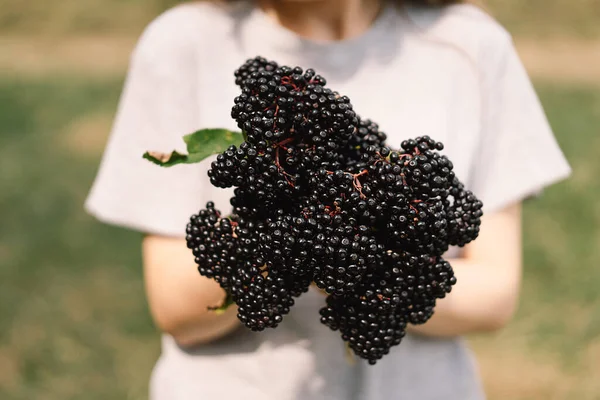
pixel 425 2
pixel 433 2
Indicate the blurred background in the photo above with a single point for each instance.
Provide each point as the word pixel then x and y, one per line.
pixel 73 318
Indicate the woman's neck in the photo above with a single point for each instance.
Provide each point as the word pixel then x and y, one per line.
pixel 324 20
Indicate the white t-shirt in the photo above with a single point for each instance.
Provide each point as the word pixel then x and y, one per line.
pixel 451 73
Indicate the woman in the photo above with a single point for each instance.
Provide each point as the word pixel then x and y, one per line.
pixel 449 72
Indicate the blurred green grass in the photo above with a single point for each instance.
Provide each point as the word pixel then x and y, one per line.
pixel 543 18
pixel 73 319
pixel 539 18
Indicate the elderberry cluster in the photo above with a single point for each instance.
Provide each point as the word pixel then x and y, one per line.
pixel 320 199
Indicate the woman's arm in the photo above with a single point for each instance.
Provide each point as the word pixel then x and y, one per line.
pixel 488 279
pixel 483 299
pixel 179 297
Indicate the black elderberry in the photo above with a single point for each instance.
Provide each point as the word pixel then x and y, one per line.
pixel 320 198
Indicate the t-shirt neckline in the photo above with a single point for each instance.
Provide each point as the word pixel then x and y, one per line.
pixel 283 38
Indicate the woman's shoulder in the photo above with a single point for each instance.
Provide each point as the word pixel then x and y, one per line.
pixel 466 27
pixel 195 15
pixel 185 27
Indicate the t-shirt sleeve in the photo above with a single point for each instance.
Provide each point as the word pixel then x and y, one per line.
pixel 517 155
pixel 158 106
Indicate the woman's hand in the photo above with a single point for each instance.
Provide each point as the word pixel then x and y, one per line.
pixel 488 277
pixel 179 297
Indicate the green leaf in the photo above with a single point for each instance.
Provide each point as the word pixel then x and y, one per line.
pixel 166 159
pixel 211 141
pixel 173 158
pixel 200 145
pixel 223 307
